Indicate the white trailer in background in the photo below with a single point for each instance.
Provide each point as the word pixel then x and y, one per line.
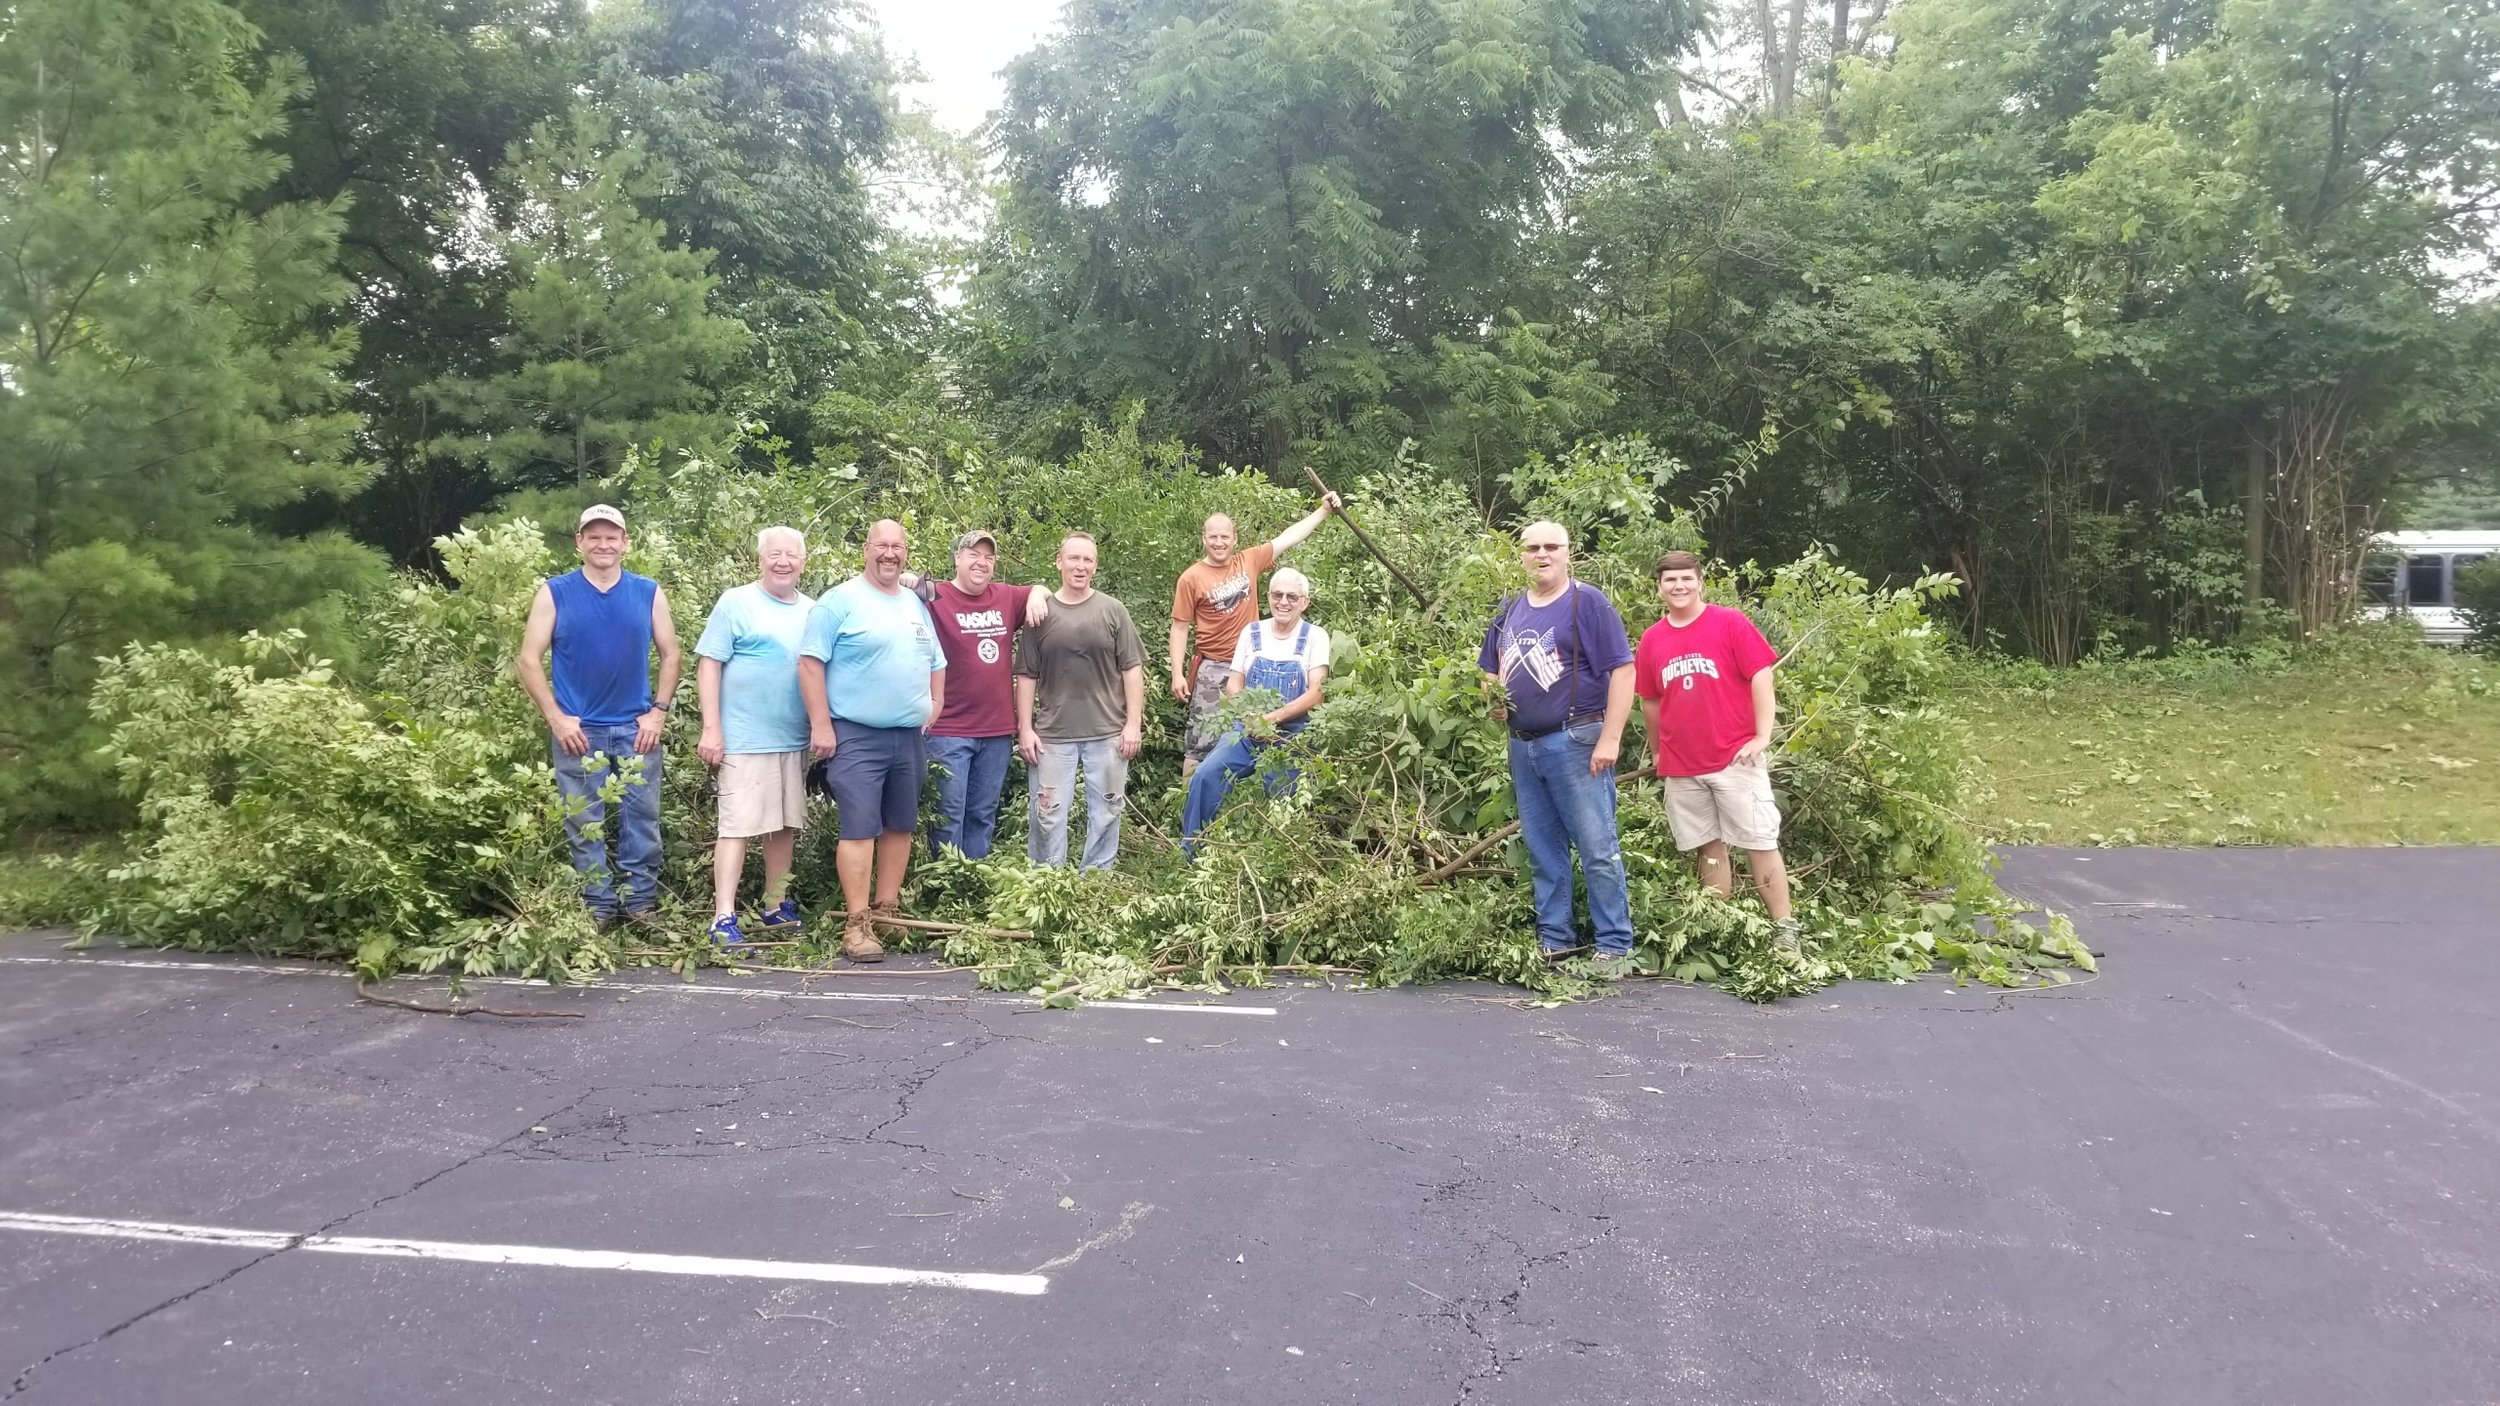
pixel 2415 574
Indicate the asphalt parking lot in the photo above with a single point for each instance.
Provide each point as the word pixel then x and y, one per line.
pixel 2255 1161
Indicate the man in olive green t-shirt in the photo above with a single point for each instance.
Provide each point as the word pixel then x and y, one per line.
pixel 1080 705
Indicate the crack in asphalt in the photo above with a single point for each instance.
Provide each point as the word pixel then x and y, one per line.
pixel 25 1379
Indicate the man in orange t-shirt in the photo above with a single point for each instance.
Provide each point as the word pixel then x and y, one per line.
pixel 1217 596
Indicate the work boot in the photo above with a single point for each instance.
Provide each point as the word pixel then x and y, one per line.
pixel 859 939
pixel 1784 936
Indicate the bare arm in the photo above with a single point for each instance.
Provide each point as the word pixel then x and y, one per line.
pixel 819 712
pixel 537 637
pixel 1133 732
pixel 937 697
pixel 707 673
pixel 1028 741
pixel 1652 711
pixel 1766 718
pixel 1180 660
pixel 1300 532
pixel 648 727
pixel 1618 711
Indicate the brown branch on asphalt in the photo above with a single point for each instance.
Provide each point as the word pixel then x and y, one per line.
pixel 365 992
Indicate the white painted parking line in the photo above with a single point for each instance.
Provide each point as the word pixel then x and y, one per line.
pixel 537 1256
pixel 696 988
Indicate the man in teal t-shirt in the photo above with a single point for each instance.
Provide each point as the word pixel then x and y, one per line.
pixel 755 727
pixel 874 678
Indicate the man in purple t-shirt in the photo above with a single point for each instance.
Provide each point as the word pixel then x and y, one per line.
pixel 1558 666
pixel 971 739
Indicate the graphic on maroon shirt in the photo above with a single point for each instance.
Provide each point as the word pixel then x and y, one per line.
pixel 977 634
pixel 1701 676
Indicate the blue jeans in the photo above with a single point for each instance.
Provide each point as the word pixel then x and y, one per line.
pixel 972 773
pixel 1233 758
pixel 1106 794
pixel 637 832
pixel 1563 808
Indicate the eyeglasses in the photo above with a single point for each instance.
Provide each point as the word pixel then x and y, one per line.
pixel 1527 548
pixel 1287 595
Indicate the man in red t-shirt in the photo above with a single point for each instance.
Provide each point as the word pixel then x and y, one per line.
pixel 1703 675
pixel 977 618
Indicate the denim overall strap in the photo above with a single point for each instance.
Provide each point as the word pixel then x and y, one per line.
pixel 1283 675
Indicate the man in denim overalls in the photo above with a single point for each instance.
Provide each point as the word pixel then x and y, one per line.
pixel 1285 654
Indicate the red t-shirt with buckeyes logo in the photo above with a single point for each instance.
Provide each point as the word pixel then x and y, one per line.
pixel 1702 676
pixel 978 634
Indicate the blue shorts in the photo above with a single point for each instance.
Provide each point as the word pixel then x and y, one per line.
pixel 877 773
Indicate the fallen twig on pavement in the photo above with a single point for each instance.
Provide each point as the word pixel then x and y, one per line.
pixel 367 993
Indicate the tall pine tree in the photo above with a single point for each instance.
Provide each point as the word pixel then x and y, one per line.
pixel 611 338
pixel 160 387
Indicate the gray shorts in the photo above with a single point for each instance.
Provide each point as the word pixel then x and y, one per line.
pixel 1206 695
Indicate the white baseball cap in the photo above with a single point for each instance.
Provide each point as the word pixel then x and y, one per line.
pixel 600 512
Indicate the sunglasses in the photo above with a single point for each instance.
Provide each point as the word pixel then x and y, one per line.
pixel 1529 548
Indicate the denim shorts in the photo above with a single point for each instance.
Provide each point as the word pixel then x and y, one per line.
pixel 877 773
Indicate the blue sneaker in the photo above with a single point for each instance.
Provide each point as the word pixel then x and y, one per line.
pixel 787 915
pixel 726 933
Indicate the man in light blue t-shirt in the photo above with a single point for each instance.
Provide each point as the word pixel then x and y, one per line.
pixel 755 727
pixel 873 678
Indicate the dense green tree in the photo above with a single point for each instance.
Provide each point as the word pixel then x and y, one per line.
pixel 611 335
pixel 1273 220
pixel 410 111
pixel 2050 282
pixel 161 384
pixel 763 120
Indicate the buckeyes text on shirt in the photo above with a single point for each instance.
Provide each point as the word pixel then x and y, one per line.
pixel 1701 676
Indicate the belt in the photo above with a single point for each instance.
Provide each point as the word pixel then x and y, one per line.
pixel 1518 734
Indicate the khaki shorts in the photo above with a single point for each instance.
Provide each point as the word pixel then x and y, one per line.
pixel 1732 804
pixel 761 792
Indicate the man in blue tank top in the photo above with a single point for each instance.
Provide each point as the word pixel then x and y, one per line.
pixel 601 623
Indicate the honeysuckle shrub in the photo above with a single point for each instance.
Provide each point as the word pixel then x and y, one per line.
pixel 403 815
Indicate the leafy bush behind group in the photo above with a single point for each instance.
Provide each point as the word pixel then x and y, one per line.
pixel 403 815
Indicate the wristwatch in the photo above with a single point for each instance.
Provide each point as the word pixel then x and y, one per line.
pixel 660 704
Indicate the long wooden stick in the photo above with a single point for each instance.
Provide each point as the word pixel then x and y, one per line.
pixel 1368 544
pixel 925 925
pixel 1445 871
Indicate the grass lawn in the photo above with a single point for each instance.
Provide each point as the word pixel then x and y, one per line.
pixel 2368 741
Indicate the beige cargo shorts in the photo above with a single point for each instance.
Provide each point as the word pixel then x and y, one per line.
pixel 1732 804
pixel 761 792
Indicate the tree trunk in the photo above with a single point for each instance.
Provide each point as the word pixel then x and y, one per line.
pixel 1770 55
pixel 1831 82
pixel 2253 541
pixel 1790 54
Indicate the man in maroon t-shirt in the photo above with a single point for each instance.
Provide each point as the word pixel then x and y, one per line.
pixel 1703 675
pixel 972 737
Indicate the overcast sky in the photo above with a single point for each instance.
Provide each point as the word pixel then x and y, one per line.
pixel 960 45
